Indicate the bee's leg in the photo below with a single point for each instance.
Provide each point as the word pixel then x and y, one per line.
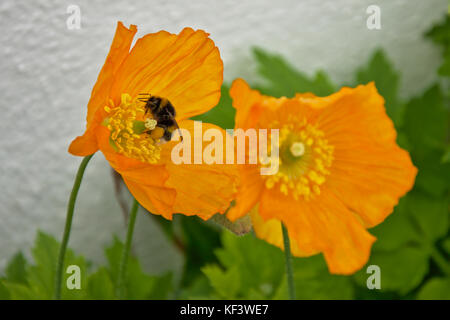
pixel 158 132
pixel 167 135
pixel 178 128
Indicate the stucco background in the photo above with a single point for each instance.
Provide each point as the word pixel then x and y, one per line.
pixel 47 73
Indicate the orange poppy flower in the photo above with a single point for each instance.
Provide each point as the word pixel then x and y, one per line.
pixel 185 69
pixel 340 171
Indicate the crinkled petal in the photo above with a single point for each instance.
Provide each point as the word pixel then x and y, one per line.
pixel 184 68
pixel 202 189
pixel 157 200
pixel 120 47
pixel 323 224
pixel 370 172
pixel 244 99
pixel 270 231
pixel 249 191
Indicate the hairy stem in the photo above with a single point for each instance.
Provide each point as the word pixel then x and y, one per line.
pixel 288 258
pixel 68 226
pixel 126 251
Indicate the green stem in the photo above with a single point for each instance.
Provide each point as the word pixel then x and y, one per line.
pixel 288 258
pixel 68 226
pixel 126 251
pixel 440 261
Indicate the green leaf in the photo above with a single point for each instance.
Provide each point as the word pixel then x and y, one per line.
pixel 259 269
pixel 446 157
pixel 435 289
pixel 405 242
pixel 41 275
pixel 36 281
pixel 200 240
pixel 138 284
pixel 221 115
pixel 18 291
pixel 199 289
pixel 162 287
pixel 444 69
pixel 397 230
pixel 430 214
pixel 433 175
pixel 226 283
pixel 440 34
pixel 100 285
pixel 113 255
pixel 256 266
pixel 285 80
pixel 4 292
pixel 324 287
pixel 141 286
pixel 249 254
pixel 401 270
pixel 386 78
pixel 446 245
pixel 16 269
pixel 426 121
pixel 313 281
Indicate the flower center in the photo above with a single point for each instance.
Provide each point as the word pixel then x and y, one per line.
pixel 133 132
pixel 297 149
pixel 304 159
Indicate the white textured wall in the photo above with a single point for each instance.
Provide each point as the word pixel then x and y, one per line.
pixel 47 73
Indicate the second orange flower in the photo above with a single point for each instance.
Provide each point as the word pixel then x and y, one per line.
pixel 340 172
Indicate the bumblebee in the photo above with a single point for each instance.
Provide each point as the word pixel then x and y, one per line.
pixel 164 113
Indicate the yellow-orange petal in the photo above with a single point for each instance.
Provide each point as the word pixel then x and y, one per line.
pixel 370 172
pixel 250 104
pixel 270 231
pixel 323 224
pixel 244 99
pixel 146 182
pixel 86 144
pixel 184 68
pixel 157 200
pixel 202 189
pixel 249 191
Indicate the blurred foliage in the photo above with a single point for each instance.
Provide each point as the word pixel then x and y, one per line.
pixel 24 281
pixel 382 72
pixel 284 80
pixel 413 246
pixel 222 114
pixel 440 35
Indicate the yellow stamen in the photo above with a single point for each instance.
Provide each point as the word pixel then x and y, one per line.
pixel 304 159
pixel 126 141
